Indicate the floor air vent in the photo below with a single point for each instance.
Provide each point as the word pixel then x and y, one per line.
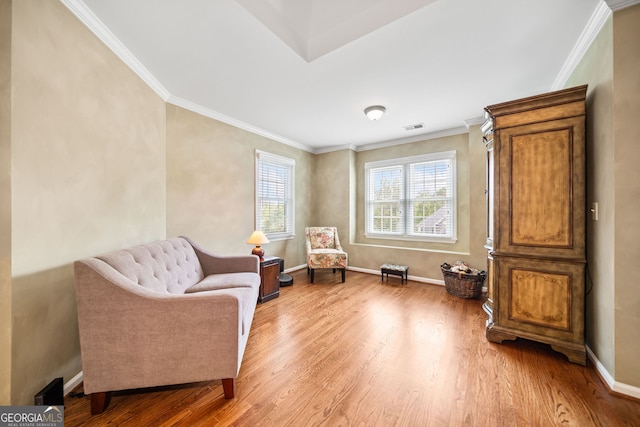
pixel 52 394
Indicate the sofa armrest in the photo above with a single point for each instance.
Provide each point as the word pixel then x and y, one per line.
pixel 133 337
pixel 216 264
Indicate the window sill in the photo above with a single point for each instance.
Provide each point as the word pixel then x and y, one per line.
pixel 279 237
pixel 447 240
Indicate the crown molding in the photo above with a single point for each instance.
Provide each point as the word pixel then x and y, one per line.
pixel 400 141
pixel 621 4
pixel 474 121
pixel 97 27
pixel 196 108
pixel 593 27
pixel 333 148
pixel 416 138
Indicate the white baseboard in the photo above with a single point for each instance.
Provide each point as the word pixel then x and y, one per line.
pixel 376 272
pixel 73 383
pixel 615 386
pixel 414 278
pixel 296 268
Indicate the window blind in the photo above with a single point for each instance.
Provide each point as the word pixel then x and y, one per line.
pixel 275 210
pixel 412 197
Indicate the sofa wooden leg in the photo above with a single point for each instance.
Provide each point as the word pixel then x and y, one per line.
pixel 229 388
pixel 343 273
pixel 312 275
pixel 99 402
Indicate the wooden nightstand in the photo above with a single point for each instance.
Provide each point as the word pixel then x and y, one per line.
pixel 269 278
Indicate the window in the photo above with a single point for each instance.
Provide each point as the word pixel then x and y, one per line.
pixel 412 198
pixel 274 195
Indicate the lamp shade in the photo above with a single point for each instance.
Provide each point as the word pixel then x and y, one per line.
pixel 375 112
pixel 257 238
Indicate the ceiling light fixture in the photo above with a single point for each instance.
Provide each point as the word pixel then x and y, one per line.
pixel 375 112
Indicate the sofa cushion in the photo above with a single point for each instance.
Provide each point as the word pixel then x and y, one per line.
pixel 168 266
pixel 225 281
pixel 232 281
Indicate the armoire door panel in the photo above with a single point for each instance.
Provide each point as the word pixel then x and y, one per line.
pixel 541 189
pixel 525 305
pixel 541 297
pixel 539 211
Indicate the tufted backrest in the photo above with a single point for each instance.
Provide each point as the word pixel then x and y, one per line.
pixel 167 266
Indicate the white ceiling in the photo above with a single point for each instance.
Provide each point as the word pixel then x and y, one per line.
pixel 314 28
pixel 303 71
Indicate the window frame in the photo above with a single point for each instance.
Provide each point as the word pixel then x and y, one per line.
pixel 263 157
pixel 407 216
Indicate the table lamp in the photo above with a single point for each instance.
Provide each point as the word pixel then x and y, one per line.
pixel 258 238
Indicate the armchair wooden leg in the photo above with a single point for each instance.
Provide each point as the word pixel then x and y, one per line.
pixel 312 275
pixel 229 388
pixel 343 273
pixel 99 402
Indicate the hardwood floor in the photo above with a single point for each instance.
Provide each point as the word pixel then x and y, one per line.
pixel 366 353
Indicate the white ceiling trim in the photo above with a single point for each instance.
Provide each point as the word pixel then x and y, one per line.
pixel 407 140
pixel 97 27
pixel 416 138
pixel 590 32
pixel 196 108
pixel 335 148
pixel 621 4
pixel 475 121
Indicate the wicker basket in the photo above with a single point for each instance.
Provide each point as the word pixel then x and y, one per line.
pixel 463 285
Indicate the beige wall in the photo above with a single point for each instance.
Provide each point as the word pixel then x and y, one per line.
pixel 5 202
pixel 211 181
pixel 596 70
pixel 611 68
pixel 339 205
pixel 332 195
pixel 626 129
pixel 88 175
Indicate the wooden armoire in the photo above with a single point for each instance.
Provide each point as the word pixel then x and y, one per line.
pixel 536 212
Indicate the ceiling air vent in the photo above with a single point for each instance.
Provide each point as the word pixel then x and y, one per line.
pixel 414 127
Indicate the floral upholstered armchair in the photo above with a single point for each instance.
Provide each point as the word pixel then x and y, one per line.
pixel 324 250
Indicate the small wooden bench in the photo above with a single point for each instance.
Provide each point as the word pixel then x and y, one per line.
pixel 394 269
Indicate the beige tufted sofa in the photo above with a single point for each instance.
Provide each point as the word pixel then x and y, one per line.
pixel 164 313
